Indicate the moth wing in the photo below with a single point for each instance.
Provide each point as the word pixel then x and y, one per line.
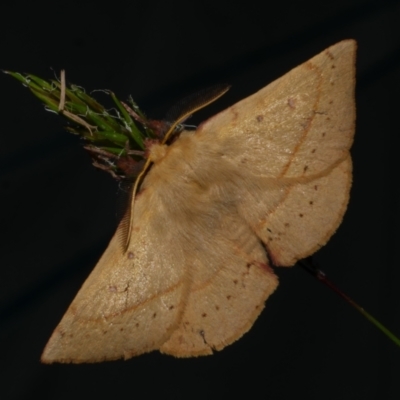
pixel 298 131
pixel 303 119
pixel 132 301
pixel 231 280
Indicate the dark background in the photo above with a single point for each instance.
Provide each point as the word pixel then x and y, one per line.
pixel 57 212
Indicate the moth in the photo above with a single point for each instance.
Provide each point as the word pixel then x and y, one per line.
pixel 264 183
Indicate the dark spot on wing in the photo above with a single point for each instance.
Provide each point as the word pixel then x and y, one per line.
pixel 291 103
pixel 309 65
pixel 330 55
pixel 234 112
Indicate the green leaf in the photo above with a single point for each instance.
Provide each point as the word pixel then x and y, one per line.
pixel 110 131
pixel 133 130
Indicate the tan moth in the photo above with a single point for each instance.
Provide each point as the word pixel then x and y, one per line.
pixel 265 182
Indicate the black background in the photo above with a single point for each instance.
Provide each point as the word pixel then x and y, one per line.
pixel 57 212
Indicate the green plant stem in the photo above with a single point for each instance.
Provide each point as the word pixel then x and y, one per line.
pixel 310 266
